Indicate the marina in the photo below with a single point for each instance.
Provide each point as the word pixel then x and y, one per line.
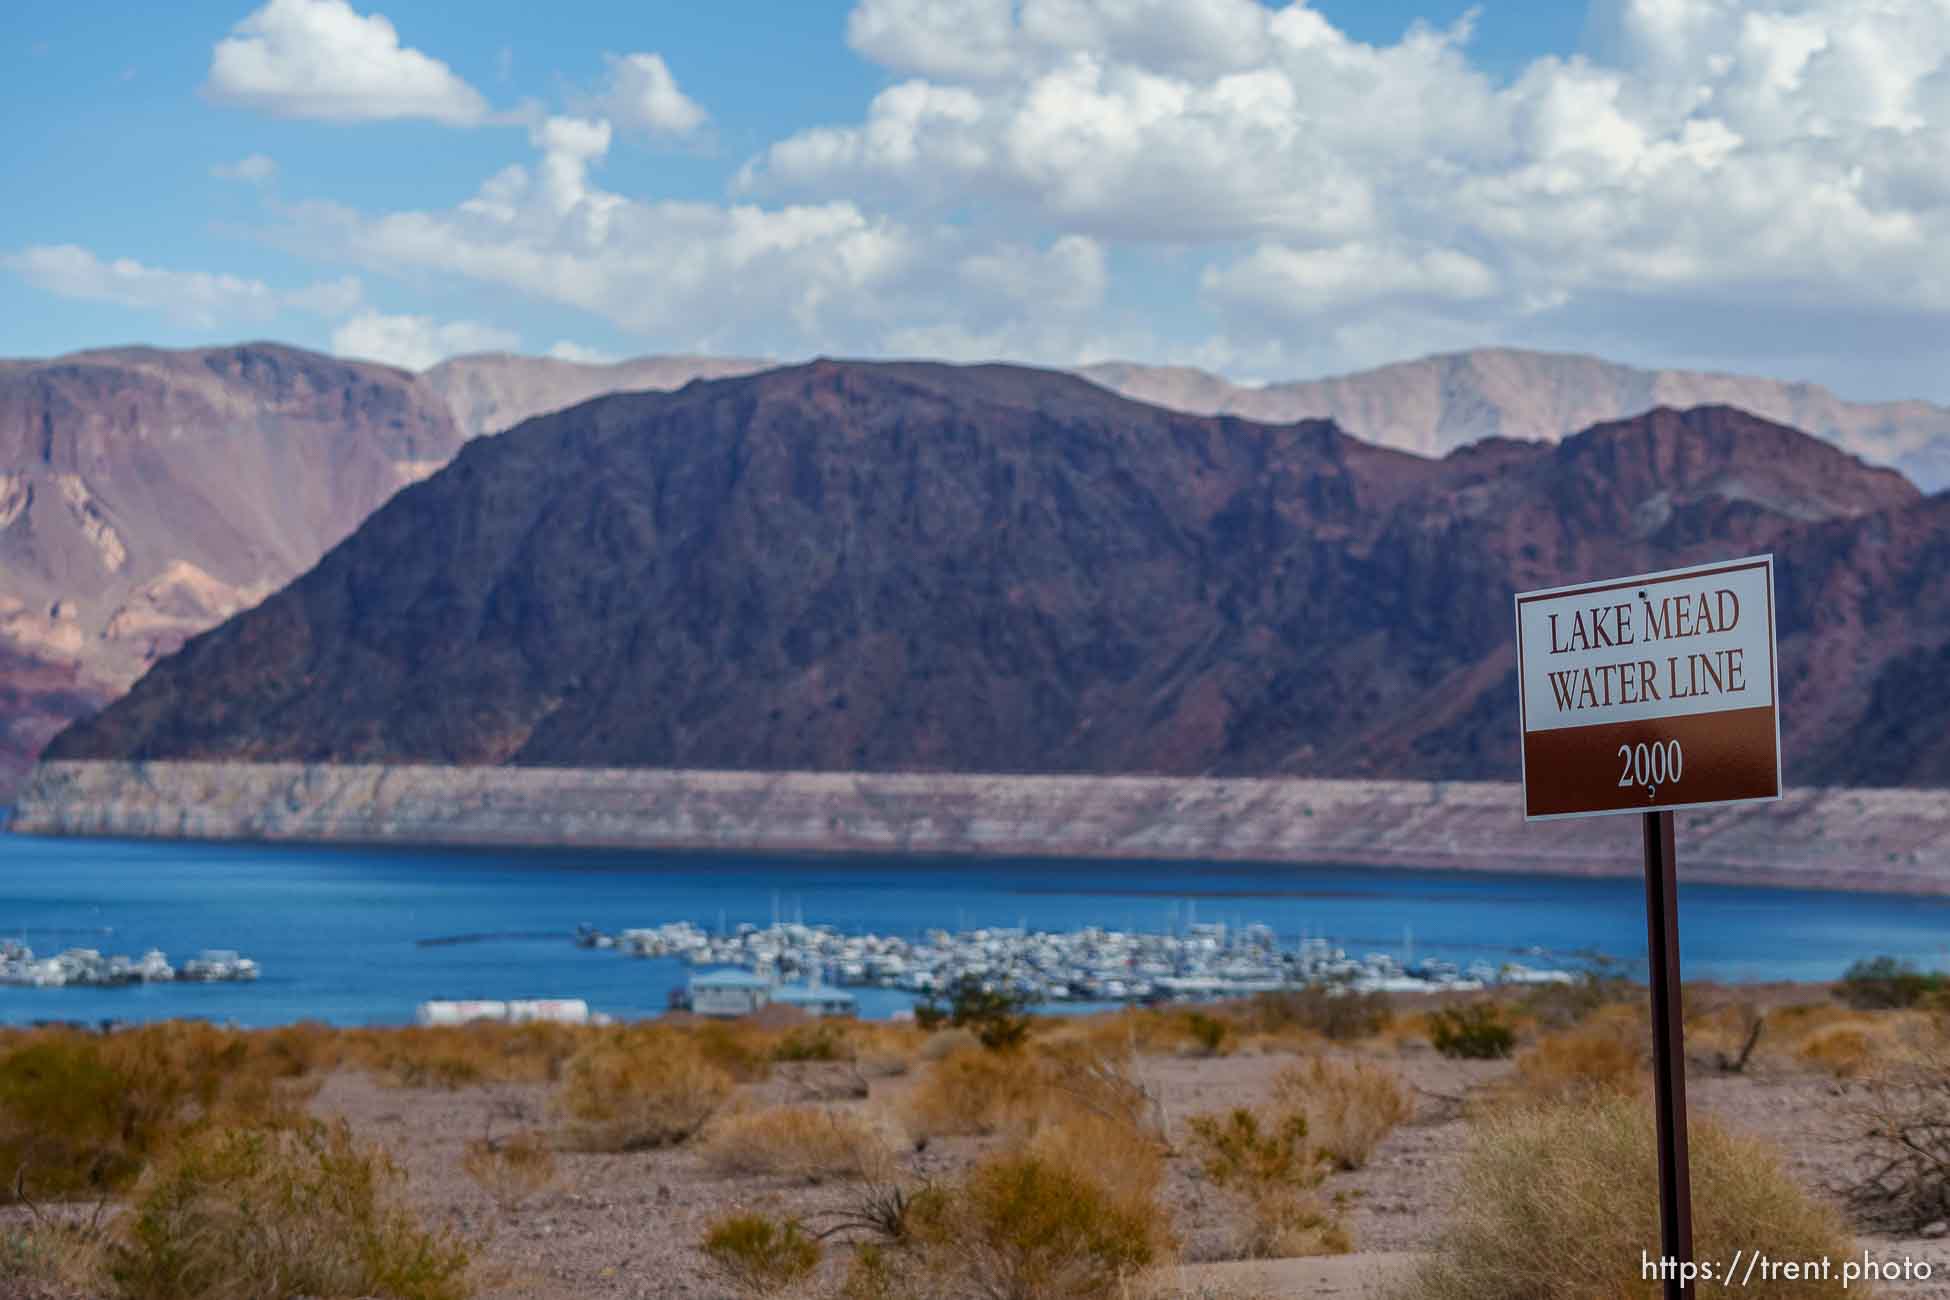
pixel 1205 961
pixel 88 968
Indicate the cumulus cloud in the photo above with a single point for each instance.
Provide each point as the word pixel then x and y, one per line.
pixel 643 96
pixel 257 168
pixel 1720 156
pixel 417 342
pixel 198 298
pixel 322 59
pixel 550 232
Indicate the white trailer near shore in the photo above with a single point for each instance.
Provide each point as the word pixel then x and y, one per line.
pixel 560 1011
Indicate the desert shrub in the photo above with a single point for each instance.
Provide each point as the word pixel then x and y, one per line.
pixel 636 1091
pixel 1560 1006
pixel 1349 1106
pixel 1477 1031
pixel 1724 1030
pixel 974 1092
pixel 1240 1149
pixel 820 1042
pixel 1900 1181
pixel 1599 1057
pixel 52 1259
pixel 1841 1050
pixel 1272 1169
pixel 510 1169
pixel 742 1051
pixel 809 1142
pixel 758 1255
pixel 1561 1203
pixel 1208 1033
pixel 1333 1011
pixel 239 1215
pixel 998 1017
pixel 81 1114
pixel 970 1092
pixel 1883 983
pixel 452 1057
pixel 1128 1165
pixel 1019 1227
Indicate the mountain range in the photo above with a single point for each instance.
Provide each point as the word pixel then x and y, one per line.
pixel 146 495
pixel 913 566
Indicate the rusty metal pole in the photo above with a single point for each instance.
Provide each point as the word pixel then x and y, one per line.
pixel 1668 1049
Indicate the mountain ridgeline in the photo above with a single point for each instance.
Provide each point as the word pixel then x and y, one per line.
pixel 920 567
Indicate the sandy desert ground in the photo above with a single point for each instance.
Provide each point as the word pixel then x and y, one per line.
pixel 627 1225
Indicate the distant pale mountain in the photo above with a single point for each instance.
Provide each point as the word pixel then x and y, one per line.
pixel 492 391
pixel 146 495
pixel 1439 403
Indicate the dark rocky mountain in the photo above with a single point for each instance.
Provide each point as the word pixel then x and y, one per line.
pixel 912 566
pixel 146 495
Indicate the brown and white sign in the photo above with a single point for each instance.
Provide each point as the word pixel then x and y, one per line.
pixel 1648 693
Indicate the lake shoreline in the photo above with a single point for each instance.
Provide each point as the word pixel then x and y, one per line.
pixel 1868 840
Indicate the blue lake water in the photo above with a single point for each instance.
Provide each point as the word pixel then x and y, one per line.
pixel 337 929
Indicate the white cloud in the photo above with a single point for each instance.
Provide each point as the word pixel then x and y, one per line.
pixel 417 342
pixel 551 233
pixel 564 350
pixel 1297 283
pixel 643 96
pixel 193 297
pixel 323 59
pixel 203 299
pixel 257 168
pixel 1041 173
pixel 1744 155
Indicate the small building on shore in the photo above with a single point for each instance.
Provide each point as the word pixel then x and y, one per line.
pixel 737 992
pixel 729 993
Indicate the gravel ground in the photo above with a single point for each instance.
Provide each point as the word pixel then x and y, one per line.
pixel 616 1226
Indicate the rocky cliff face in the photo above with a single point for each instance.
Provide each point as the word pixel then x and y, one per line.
pixel 1436 404
pixel 873 567
pixel 146 495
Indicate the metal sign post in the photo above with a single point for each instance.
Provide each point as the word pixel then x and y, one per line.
pixel 1668 1049
pixel 1648 694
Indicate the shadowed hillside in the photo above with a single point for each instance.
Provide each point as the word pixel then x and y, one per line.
pixel 924 567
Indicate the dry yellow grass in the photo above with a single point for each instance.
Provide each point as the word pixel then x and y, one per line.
pixel 1350 1106
pixel 237 1215
pixel 1608 1053
pixel 815 1143
pixel 1560 1202
pixel 638 1089
pixel 977 1092
pixel 82 1114
pixel 511 1169
pixel 1019 1227
pixel 1846 1042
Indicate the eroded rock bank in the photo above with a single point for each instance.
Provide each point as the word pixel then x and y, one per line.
pixel 1888 839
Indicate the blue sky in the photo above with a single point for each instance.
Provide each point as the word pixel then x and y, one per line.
pixel 1267 191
